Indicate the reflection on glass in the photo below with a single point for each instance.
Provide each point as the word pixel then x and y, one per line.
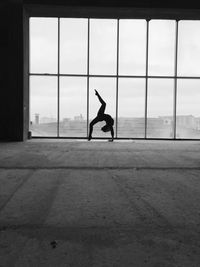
pixel 160 108
pixel 107 89
pixel 188 109
pixel 73 106
pixel 43 106
pixel 161 47
pixel 43 45
pixel 131 108
pixel 73 46
pixel 103 46
pixel 132 47
pixel 189 48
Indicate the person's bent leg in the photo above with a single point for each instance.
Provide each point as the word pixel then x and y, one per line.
pixel 92 123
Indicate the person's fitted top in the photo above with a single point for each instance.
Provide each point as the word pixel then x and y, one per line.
pixel 108 119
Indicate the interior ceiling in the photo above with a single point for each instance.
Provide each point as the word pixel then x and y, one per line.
pixel 192 4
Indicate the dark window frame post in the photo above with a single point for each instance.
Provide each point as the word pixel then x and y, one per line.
pixel 175 80
pixel 146 79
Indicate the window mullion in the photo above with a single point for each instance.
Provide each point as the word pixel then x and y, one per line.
pixel 58 77
pixel 146 80
pixel 175 79
pixel 117 80
pixel 88 78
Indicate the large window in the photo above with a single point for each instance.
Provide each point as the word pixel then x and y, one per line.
pixel 148 73
pixel 44 105
pixel 131 108
pixel 160 108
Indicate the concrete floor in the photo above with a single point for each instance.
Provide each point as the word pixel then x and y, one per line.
pixel 95 204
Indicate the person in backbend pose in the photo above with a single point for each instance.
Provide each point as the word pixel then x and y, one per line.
pixel 101 116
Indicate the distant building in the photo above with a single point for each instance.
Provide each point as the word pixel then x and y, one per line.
pixel 65 122
pixel 66 119
pixel 197 123
pixel 79 118
pixel 47 120
pixel 187 121
pixel 37 118
pixel 167 120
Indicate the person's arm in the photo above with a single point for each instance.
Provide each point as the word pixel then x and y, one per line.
pixel 112 133
pixel 99 97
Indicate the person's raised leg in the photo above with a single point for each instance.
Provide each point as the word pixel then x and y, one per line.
pixel 103 104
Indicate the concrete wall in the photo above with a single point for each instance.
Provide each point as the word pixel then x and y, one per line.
pixel 11 71
pixel 13 81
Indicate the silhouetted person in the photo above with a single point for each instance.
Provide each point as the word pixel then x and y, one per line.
pixel 101 116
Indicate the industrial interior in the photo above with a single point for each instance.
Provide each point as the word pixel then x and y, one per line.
pixel 70 200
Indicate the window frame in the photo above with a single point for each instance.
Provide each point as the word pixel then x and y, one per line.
pixel 108 13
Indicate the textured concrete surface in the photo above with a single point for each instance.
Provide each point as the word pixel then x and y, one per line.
pixel 95 204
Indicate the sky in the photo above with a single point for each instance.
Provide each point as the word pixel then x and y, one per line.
pixel 103 61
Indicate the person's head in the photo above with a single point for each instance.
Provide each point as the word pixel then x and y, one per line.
pixel 106 128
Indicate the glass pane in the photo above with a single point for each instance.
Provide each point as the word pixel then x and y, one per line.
pixel 160 108
pixel 73 106
pixel 43 106
pixel 73 46
pixel 189 48
pixel 161 47
pixel 43 45
pixel 132 47
pixel 103 46
pixel 131 108
pixel 107 90
pixel 188 109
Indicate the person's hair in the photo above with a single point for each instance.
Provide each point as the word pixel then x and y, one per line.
pixel 106 128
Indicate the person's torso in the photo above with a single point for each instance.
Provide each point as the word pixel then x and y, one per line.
pixel 108 119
